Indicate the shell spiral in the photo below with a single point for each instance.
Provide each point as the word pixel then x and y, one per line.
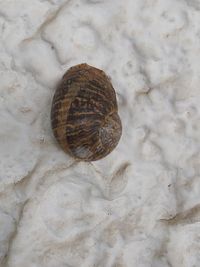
pixel 84 113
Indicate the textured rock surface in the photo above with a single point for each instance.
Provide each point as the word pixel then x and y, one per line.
pixel 140 206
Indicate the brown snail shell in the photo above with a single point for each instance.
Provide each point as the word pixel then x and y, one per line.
pixel 84 114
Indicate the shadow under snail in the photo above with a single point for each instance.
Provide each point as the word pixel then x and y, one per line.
pixel 84 113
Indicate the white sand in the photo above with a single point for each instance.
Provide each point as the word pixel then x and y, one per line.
pixel 138 207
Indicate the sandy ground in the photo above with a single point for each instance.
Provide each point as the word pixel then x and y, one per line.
pixel 138 207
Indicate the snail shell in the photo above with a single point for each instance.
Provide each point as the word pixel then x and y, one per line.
pixel 84 114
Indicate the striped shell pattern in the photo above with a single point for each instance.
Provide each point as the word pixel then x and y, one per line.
pixel 84 114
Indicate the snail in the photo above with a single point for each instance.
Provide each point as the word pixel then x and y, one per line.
pixel 84 113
